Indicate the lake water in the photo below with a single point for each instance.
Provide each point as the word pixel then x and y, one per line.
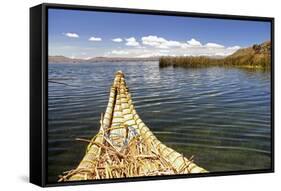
pixel 219 115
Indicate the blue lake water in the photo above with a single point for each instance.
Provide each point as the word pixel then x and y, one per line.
pixel 221 116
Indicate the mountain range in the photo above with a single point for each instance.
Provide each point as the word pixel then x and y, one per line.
pixel 256 53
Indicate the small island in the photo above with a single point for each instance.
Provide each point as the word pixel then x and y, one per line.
pixel 257 56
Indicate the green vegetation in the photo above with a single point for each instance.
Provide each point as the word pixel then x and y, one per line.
pixel 257 56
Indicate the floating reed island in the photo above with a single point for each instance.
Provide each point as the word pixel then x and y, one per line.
pixel 125 146
pixel 257 56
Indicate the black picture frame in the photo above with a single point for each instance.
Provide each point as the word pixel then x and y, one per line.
pixel 39 90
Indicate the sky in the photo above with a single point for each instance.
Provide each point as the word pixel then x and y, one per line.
pixel 88 34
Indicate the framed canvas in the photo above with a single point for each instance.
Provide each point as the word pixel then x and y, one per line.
pixel 127 94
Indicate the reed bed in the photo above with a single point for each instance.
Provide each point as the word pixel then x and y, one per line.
pixel 257 56
pixel 203 61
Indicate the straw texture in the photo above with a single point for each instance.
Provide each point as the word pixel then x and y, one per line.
pixel 125 147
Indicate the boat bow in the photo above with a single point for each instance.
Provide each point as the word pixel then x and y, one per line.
pixel 125 146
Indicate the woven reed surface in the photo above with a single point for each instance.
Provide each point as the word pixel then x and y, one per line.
pixel 125 147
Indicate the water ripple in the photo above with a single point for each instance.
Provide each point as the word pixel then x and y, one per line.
pixel 222 116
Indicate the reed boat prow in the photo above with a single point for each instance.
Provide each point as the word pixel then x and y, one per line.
pixel 125 146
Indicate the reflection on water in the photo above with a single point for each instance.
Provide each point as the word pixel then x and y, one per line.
pixel 219 115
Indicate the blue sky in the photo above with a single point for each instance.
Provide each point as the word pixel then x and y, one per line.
pixel 86 34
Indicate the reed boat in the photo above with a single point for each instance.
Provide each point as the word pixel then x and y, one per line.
pixel 125 146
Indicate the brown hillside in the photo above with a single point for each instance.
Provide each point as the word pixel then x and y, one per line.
pixel 256 56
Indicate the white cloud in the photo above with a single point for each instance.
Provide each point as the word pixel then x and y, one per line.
pixel 194 42
pixel 153 54
pixel 233 47
pixel 164 51
pixel 128 52
pixel 153 45
pixel 119 52
pixel 132 41
pixel 159 42
pixel 185 45
pixel 117 40
pixel 150 45
pixel 95 38
pixel 178 51
pixel 152 40
pixel 221 54
pixel 213 45
pixel 172 43
pixel 71 35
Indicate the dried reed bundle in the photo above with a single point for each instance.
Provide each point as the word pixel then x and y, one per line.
pixel 125 147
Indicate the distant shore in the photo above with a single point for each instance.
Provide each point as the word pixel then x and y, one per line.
pixel 257 56
pixel 66 60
